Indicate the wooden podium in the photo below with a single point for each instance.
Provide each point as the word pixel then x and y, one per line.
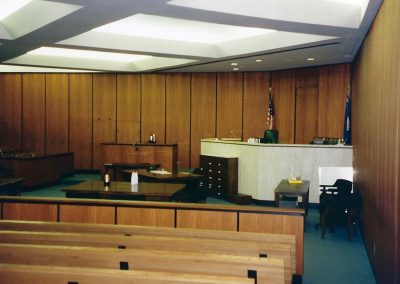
pixel 165 155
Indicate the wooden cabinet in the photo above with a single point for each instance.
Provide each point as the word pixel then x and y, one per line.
pixel 221 178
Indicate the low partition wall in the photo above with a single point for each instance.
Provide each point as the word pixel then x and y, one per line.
pixel 164 214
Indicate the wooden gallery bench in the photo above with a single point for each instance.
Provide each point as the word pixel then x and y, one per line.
pixel 268 263
pixel 29 274
pixel 192 244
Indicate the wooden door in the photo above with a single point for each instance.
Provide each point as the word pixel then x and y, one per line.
pixel 104 114
pixel 11 111
pixel 178 115
pixel 283 90
pixel 33 116
pixel 153 107
pixel 203 112
pixel 255 104
pixel 334 82
pixel 80 120
pixel 306 115
pixel 229 105
pixel 57 110
pixel 128 108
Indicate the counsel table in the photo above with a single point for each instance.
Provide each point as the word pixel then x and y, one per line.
pixel 293 189
pixel 124 190
pixel 159 176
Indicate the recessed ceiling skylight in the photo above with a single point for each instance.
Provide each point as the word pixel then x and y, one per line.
pixel 87 54
pixel 8 7
pixel 319 12
pixel 158 27
pixel 20 17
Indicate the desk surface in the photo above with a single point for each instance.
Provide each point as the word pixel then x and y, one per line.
pixel 285 187
pixel 10 181
pixel 167 176
pixel 147 189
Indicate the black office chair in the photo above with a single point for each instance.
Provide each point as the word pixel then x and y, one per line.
pixel 339 205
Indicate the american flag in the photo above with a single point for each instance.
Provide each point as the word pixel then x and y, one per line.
pixel 270 112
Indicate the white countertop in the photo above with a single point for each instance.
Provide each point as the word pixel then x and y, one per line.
pixel 228 141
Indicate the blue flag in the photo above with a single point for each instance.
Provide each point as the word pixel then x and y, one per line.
pixel 347 121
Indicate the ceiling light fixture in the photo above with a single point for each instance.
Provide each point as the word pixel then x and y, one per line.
pixel 87 54
pixel 9 7
pixel 157 27
pixel 235 69
pixel 258 60
pixel 310 59
pixel 234 64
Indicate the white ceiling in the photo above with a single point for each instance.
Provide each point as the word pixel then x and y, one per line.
pixel 181 35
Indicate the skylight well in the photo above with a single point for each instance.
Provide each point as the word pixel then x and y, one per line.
pixel 157 27
pixel 8 7
pixel 87 54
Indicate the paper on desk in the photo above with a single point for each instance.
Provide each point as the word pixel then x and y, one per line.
pixel 162 172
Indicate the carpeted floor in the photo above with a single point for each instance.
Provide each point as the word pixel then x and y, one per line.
pixel 332 260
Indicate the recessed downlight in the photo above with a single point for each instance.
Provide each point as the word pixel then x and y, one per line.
pixel 259 60
pixel 310 59
pixel 235 69
pixel 234 64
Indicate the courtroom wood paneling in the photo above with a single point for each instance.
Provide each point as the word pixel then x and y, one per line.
pixel 284 90
pixel 128 108
pixel 104 113
pixel 87 214
pixel 30 212
pixel 203 112
pixel 255 104
pixel 306 115
pixel 153 107
pixel 57 113
pixel 213 220
pixel 280 224
pixel 178 115
pixel 334 82
pixel 10 111
pixel 307 77
pixel 33 116
pixel 229 105
pixel 81 120
pixel 146 217
pixel 376 93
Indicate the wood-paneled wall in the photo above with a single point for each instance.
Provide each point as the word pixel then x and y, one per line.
pixel 76 112
pixel 376 128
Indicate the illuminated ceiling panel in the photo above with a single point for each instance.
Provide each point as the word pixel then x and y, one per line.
pixel 183 35
pixel 30 16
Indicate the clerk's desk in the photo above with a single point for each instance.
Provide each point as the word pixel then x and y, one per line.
pixel 263 166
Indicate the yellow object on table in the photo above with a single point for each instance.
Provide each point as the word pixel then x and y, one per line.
pixel 295 180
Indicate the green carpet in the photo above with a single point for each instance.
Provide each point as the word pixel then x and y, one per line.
pixel 332 260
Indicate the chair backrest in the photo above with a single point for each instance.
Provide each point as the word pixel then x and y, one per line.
pixel 344 186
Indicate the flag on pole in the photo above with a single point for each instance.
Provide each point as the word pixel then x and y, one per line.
pixel 270 111
pixel 347 121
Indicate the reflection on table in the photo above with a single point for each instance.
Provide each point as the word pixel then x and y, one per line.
pixel 124 190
